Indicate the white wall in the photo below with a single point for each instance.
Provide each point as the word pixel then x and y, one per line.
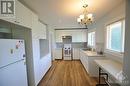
pixel 115 14
pixel 127 43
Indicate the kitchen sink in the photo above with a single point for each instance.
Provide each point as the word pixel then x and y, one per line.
pixel 85 49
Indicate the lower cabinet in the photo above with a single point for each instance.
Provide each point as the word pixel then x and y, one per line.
pixel 89 64
pixel 76 53
pixel 58 53
pixel 41 65
pixel 84 60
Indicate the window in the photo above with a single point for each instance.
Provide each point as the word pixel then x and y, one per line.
pixel 115 36
pixel 91 39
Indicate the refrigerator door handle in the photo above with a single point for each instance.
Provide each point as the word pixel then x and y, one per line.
pixel 24 55
pixel 13 63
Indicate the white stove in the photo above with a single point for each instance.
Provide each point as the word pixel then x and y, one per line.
pixel 67 52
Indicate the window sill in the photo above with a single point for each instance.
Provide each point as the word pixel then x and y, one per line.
pixel 114 53
pixel 91 46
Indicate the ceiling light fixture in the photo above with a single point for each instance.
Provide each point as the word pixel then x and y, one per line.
pixel 85 18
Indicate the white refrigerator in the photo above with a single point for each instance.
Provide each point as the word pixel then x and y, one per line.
pixel 12 63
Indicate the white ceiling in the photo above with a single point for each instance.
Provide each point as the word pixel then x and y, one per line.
pixel 64 13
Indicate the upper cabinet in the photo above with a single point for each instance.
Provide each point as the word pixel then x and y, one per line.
pixel 22 15
pixel 34 27
pixel 58 35
pixel 25 17
pixel 38 28
pixel 77 35
pixel 41 30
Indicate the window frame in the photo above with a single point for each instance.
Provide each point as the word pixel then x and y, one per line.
pixel 122 21
pixel 92 45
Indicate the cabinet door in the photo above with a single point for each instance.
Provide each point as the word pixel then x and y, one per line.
pixel 44 31
pixel 41 30
pixel 76 53
pixel 84 60
pixel 18 32
pixel 67 32
pixel 23 15
pixel 79 36
pixel 5 29
pixel 34 26
pixel 58 36
pixel 58 53
pixel 81 57
pixel 74 36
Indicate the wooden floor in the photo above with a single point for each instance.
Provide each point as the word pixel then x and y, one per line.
pixel 67 73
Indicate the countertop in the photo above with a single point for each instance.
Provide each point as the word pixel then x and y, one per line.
pixel 92 54
pixel 112 67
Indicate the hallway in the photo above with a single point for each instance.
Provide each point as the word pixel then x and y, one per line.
pixel 67 73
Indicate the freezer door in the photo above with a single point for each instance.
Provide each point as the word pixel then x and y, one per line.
pixel 11 50
pixel 14 75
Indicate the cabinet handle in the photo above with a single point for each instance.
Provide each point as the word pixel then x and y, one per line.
pixel 16 22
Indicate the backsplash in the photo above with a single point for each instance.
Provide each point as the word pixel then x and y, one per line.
pixel 74 45
pixel 59 45
pixel 79 44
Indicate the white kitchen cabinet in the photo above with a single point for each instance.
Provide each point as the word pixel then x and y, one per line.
pixel 34 27
pixel 77 35
pixel 58 36
pixel 44 31
pixel 38 29
pixel 60 33
pixel 83 59
pixel 76 53
pixel 41 65
pixel 22 15
pixel 89 64
pixel 58 53
pixel 41 30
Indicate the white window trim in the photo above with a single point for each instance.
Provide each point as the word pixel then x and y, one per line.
pixel 114 52
pixel 94 40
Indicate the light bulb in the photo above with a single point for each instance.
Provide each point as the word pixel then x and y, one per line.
pixel 78 20
pixel 90 16
pixel 81 16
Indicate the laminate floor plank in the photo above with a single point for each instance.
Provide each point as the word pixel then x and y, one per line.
pixel 67 73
